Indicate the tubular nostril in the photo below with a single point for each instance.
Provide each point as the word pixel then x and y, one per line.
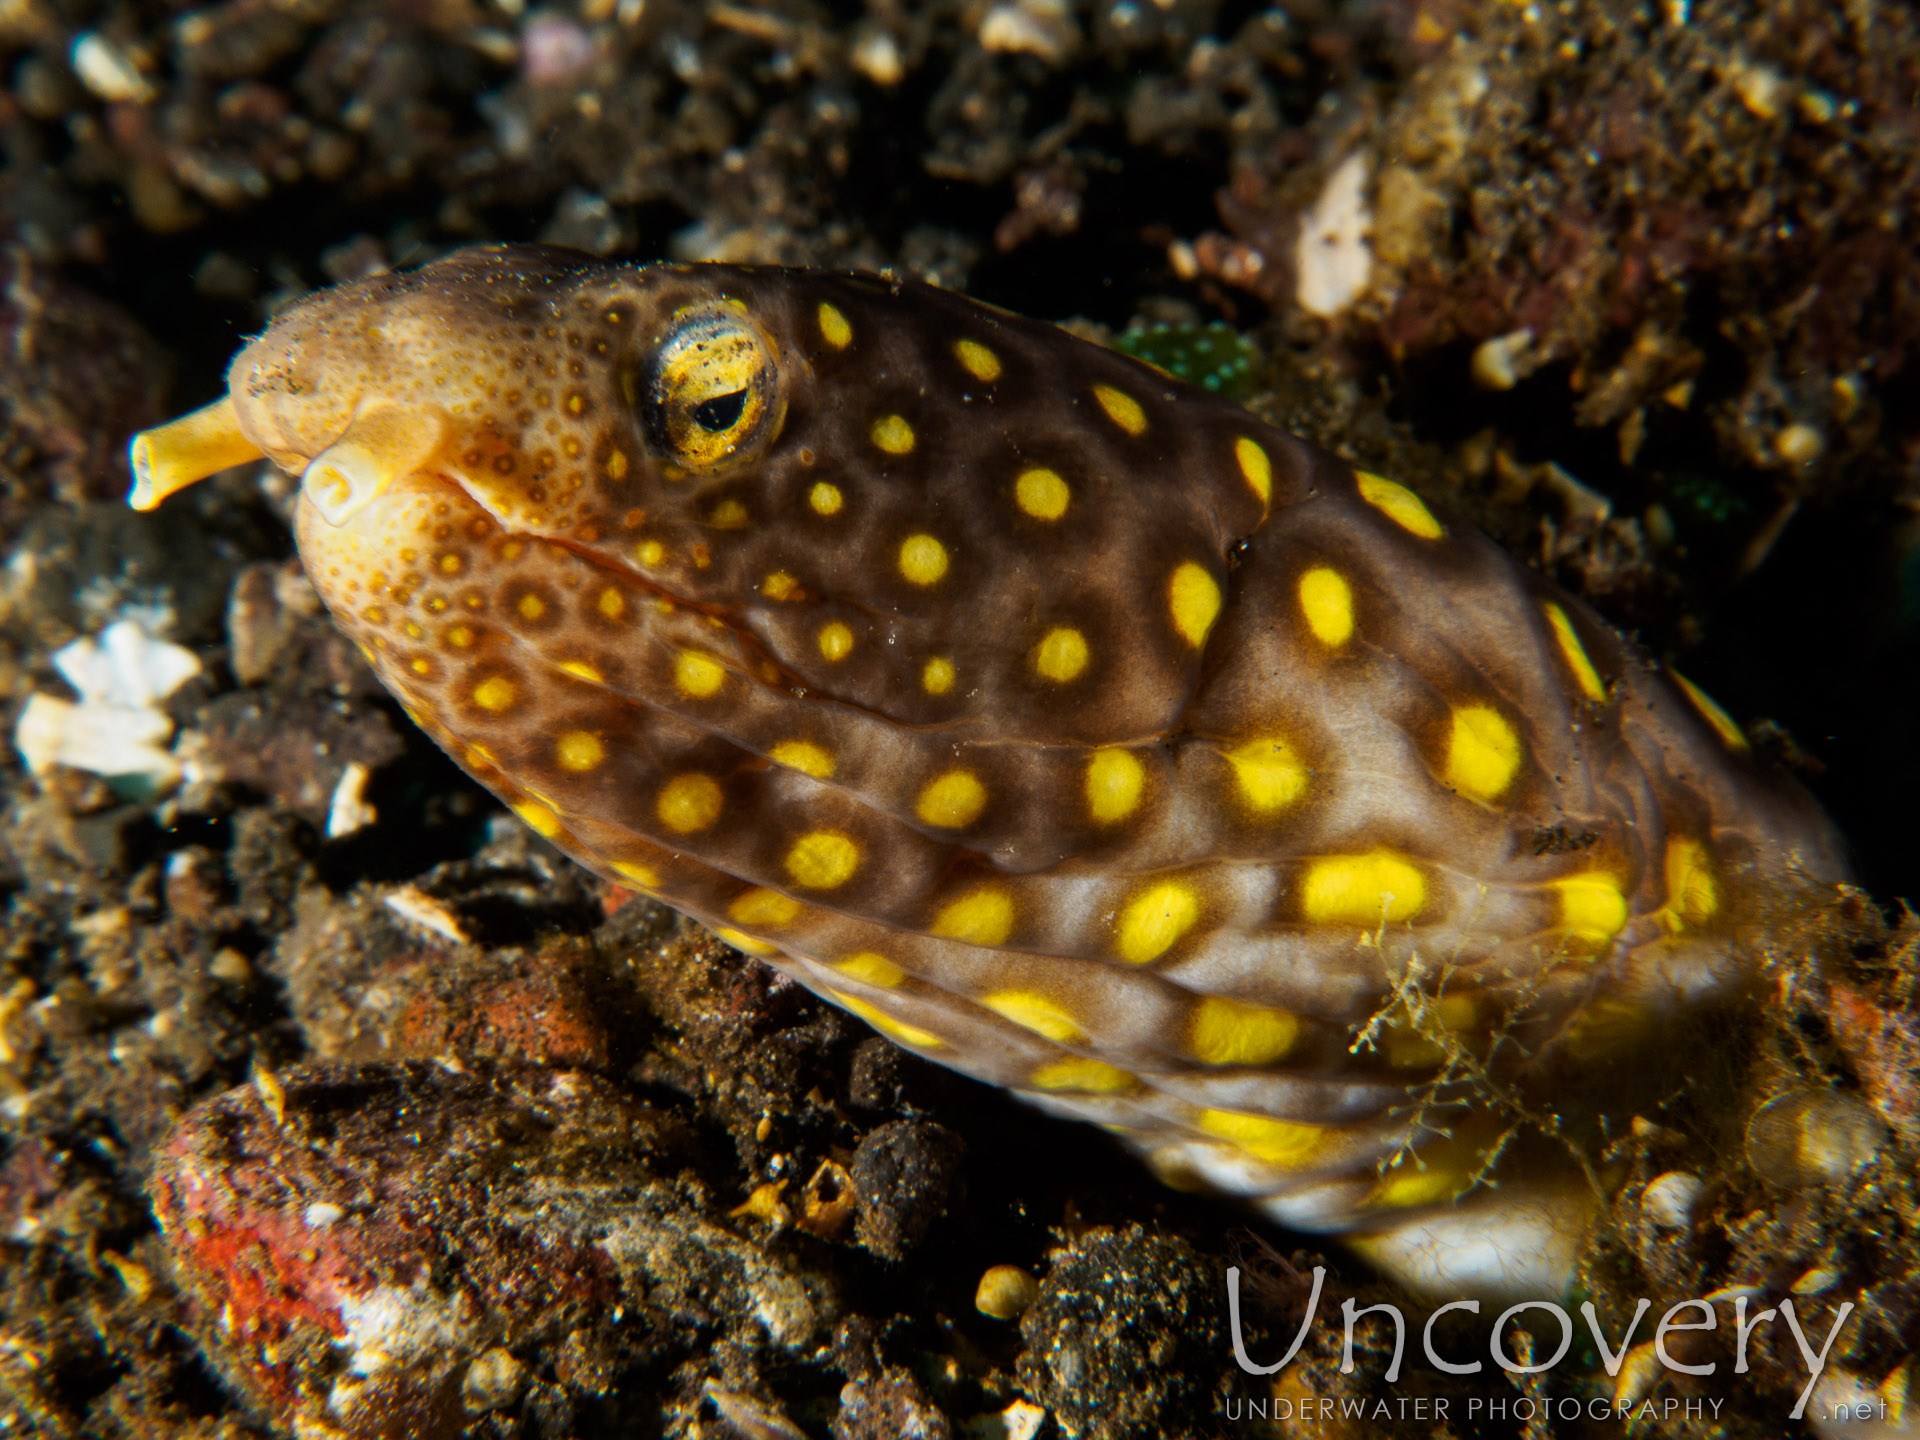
pixel 173 456
pixel 383 443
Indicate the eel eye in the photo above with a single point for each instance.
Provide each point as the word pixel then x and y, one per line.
pixel 710 392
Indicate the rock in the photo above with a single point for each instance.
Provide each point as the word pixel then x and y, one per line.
pixel 904 1175
pixel 369 1247
pixel 1128 1338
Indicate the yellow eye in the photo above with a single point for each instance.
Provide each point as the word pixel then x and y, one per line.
pixel 710 392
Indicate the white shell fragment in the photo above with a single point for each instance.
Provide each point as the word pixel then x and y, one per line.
pixel 107 740
pixel 1332 260
pixel 416 907
pixel 125 666
pixel 746 1416
pixel 349 810
pixel 1522 1247
pixel 117 730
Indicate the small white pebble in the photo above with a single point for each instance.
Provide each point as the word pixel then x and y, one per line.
pixel 349 810
pixel 553 50
pixel 493 1381
pixel 877 56
pixel 1799 444
pixel 1816 1281
pixel 1020 1421
pixel 1332 259
pixel 105 71
pixel 1817 106
pixel 497 45
pixel 1032 27
pixel 1848 393
pixel 1502 362
pixel 1005 1292
pixel 322 1213
pixel 1659 526
pixel 230 966
pixel 1761 88
pixel 1669 1199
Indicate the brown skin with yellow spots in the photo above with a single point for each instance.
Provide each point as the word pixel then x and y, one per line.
pixel 1062 721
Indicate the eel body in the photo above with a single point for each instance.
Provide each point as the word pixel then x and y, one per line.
pixel 1061 721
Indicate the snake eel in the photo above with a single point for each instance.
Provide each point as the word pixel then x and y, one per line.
pixel 1061 721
